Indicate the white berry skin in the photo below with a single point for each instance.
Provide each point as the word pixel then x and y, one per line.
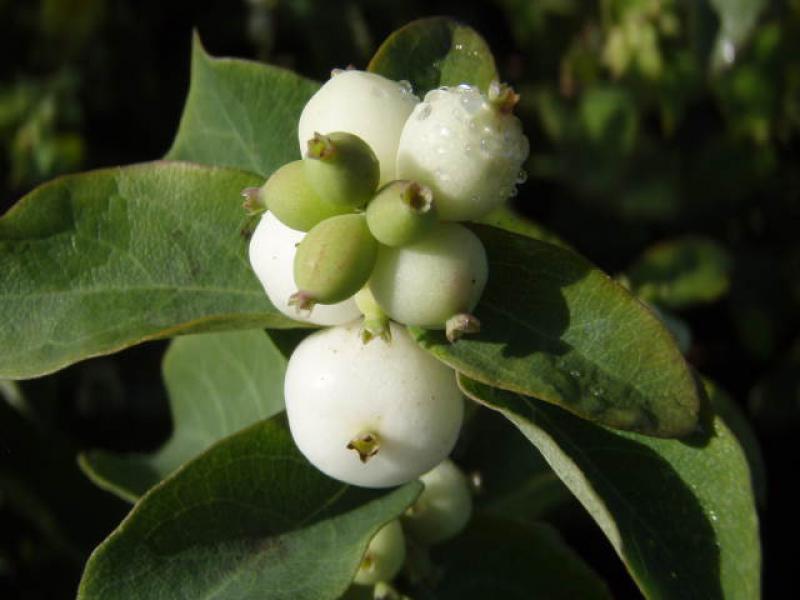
pixel 466 150
pixel 384 557
pixel 443 508
pixel 272 250
pixel 429 281
pixel 337 388
pixel 365 104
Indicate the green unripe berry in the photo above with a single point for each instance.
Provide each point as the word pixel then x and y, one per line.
pixel 342 169
pixel 333 261
pixel 443 508
pixel 384 557
pixel 289 197
pixel 401 213
pixel 435 282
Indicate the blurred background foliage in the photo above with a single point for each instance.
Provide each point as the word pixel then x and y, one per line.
pixel 665 142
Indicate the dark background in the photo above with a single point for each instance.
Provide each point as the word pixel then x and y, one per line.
pixel 629 148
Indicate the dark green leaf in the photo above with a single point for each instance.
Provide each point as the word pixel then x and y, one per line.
pixel 218 383
pixel 249 518
pixel 515 480
pixel 97 262
pixel 497 558
pixel 733 416
pixel 240 114
pixel 508 220
pixel 434 52
pixel 557 328
pixel 681 273
pixel 680 514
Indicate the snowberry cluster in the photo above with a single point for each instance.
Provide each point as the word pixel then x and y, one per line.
pixel 361 234
pixel 364 226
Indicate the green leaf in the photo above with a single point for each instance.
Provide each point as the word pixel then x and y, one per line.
pixel 738 423
pixel 249 518
pixel 681 273
pixel 218 384
pixel 433 52
pixel 240 114
pixel 500 558
pixel 508 220
pixel 93 263
pixel 555 327
pixel 680 514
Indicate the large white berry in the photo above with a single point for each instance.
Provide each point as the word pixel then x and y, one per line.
pixel 428 282
pixel 272 250
pixel 374 415
pixel 443 508
pixel 365 104
pixel 467 149
pixel 384 557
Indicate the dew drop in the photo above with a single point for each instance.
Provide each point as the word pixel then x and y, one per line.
pixel 336 72
pixel 445 132
pixel 405 86
pixel 514 192
pixel 596 391
pixel 459 46
pixel 575 374
pixel 522 176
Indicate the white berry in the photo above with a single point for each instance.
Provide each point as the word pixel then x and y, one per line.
pixel 428 282
pixel 374 415
pixel 384 557
pixel 365 104
pixel 444 507
pixel 466 149
pixel 272 250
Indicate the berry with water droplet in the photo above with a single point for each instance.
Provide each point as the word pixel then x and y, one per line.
pixel 272 250
pixel 438 150
pixel 365 104
pixel 289 197
pixel 432 280
pixel 342 169
pixel 374 415
pixel 401 213
pixel 333 261
pixel 444 507
pixel 384 556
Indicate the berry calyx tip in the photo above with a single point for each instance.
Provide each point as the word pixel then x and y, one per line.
pixel 366 444
pixel 418 197
pixel 461 324
pixel 253 202
pixel 503 97
pixel 302 301
pixel 321 147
